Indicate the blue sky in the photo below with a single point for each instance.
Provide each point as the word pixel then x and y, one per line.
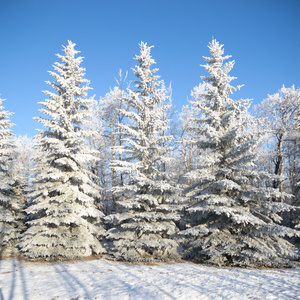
pixel 263 37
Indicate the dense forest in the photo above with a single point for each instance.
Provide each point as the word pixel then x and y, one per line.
pixel 129 178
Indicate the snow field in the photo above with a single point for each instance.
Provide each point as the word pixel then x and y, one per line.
pixel 102 279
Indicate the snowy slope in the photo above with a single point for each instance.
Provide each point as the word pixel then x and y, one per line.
pixel 101 279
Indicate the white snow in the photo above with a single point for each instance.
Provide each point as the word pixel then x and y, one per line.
pixel 102 279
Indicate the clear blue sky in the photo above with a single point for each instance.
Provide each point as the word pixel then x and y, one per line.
pixel 263 37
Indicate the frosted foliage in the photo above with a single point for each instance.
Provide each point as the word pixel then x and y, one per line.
pixel 64 222
pixel 278 115
pixel 189 153
pixel 233 220
pixel 145 142
pixel 280 111
pixel 145 232
pixel 110 114
pixel 297 174
pixel 99 141
pixel 280 120
pixel 24 162
pixel 11 206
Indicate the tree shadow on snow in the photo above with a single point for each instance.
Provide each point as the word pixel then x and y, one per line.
pixel 13 279
pixel 15 272
pixel 23 279
pixel 131 279
pixel 72 283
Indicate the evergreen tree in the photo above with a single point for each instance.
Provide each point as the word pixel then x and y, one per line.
pixel 143 228
pixel 234 220
pixel 11 206
pixel 64 221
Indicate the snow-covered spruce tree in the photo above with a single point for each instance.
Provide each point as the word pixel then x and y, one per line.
pixel 64 221
pixel 142 228
pixel 233 222
pixel 11 206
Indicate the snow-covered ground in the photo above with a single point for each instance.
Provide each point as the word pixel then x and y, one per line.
pixel 102 279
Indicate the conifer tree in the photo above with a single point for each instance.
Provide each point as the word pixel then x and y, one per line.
pixel 143 228
pixel 234 221
pixel 64 221
pixel 11 206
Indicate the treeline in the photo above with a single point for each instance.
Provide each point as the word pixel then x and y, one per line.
pixel 126 178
